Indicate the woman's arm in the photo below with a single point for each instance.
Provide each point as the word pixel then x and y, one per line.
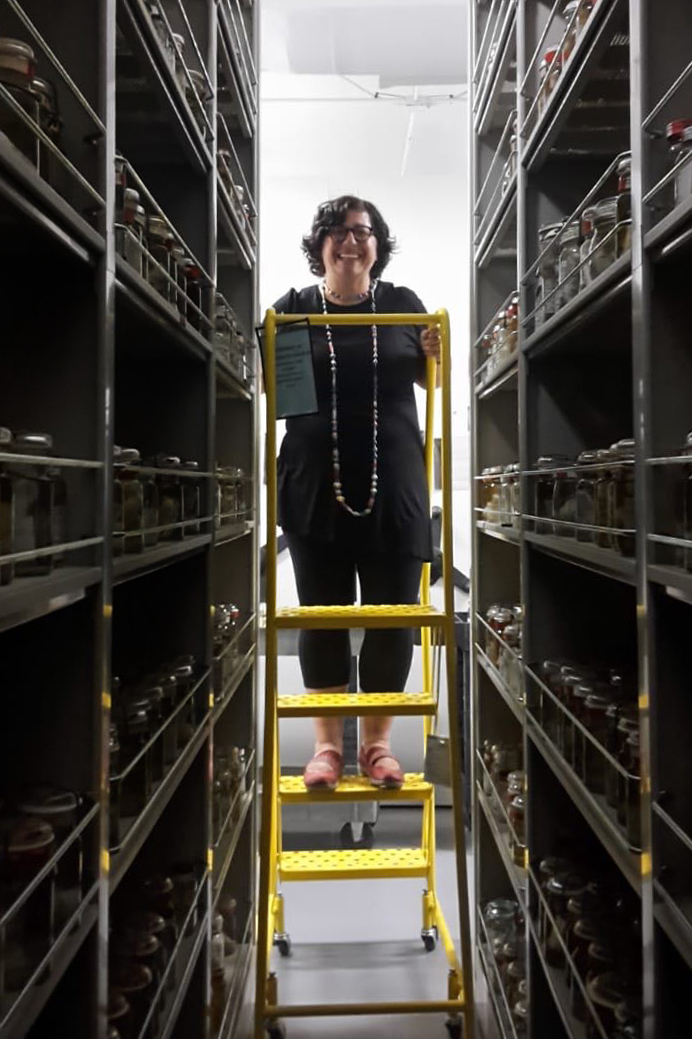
pixel 430 344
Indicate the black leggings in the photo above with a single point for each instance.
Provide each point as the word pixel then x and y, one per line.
pixel 326 576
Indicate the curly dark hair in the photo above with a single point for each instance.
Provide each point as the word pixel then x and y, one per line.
pixel 331 214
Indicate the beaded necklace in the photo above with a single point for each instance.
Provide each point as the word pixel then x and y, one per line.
pixel 336 459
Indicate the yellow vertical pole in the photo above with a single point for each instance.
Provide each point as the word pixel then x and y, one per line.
pixel 269 793
pixel 451 671
pixel 428 826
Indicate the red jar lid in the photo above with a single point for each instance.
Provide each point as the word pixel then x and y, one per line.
pixel 550 55
pixel 675 128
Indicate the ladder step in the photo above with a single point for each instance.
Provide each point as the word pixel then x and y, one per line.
pixel 359 617
pixel 355 788
pixel 322 705
pixel 357 864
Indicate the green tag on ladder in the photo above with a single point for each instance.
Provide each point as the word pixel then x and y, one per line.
pixel 437 761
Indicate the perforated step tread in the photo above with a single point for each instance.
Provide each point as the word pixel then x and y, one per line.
pixel 355 788
pixel 406 616
pixel 357 864
pixel 319 705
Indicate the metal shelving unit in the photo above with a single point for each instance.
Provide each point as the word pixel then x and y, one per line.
pixel 609 361
pixel 96 356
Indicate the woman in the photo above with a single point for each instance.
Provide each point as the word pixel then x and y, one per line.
pixel 352 492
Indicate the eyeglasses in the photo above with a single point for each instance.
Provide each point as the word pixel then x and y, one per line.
pixel 359 232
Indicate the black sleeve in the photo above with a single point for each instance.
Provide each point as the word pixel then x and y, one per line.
pixel 287 303
pixel 410 303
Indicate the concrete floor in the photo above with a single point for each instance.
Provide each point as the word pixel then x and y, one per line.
pixel 360 941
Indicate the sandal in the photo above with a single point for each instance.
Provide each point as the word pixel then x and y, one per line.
pixel 324 770
pixel 381 767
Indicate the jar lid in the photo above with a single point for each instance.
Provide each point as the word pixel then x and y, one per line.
pixel 594 702
pixel 550 667
pixel 192 466
pixel 553 461
pixel 586 457
pixel 625 165
pixel 624 448
pixel 548 232
pixel 138 943
pixel 606 990
pixel 168 461
pixel 566 884
pixel 158 225
pixel 28 834
pixel 571 231
pixel 113 737
pixel 159 884
pixel 45 91
pixel 551 865
pixel 178 40
pixel 131 196
pixel 588 929
pixel 197 77
pixel 130 456
pixel 604 454
pixel 634 739
pixel 605 210
pixel 601 953
pixel 131 977
pixel 217 923
pixel 33 443
pixel 550 55
pixel 516 778
pixel 675 128
pixel 521 1009
pixel 117 1005
pixel 146 922
pixel 5 436
pixel 570 8
pixel 518 802
pixel 47 801
pixel 500 908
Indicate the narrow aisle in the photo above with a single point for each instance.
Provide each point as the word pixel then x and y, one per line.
pixel 360 940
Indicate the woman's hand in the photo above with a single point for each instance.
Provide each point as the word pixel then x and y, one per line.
pixel 430 342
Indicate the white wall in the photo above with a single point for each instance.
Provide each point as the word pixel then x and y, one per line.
pixel 427 211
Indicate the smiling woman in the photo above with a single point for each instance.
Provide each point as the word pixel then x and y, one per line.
pixel 353 499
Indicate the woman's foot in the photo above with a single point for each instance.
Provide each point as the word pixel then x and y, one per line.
pixel 324 770
pixel 380 766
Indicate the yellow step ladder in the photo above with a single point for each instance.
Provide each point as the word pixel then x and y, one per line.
pixel 278 867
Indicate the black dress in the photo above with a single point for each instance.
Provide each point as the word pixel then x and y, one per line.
pixel 400 520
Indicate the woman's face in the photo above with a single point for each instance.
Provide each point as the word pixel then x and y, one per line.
pixel 344 256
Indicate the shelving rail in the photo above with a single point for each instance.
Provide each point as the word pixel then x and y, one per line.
pixel 437 629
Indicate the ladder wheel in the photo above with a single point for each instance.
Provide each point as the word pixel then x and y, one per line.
pixel 348 841
pixel 276 1030
pixel 283 944
pixel 429 940
pixel 454 1027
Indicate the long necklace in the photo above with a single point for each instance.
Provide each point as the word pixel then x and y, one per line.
pixel 336 459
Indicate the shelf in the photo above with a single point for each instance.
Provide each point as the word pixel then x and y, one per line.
pixel 240 975
pixel 603 561
pixel 195 947
pixel 243 107
pixel 492 244
pixel 493 530
pixel 517 708
pixel 593 808
pixel 490 112
pixel 227 854
pixel 498 999
pixel 129 567
pixel 44 221
pixel 504 380
pixel 232 685
pixel 233 531
pixel 227 379
pixel 233 230
pixel 139 303
pixel 599 301
pixel 517 875
pixel 676 581
pixel 671 234
pixel 558 989
pixel 594 129
pixel 24 1011
pixel 120 861
pixel 151 108
pixel 30 597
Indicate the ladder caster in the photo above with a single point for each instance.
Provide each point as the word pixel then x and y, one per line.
pixel 455 1027
pixel 348 841
pixel 429 938
pixel 276 1030
pixel 283 944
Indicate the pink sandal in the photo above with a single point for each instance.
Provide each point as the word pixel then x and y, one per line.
pixel 324 770
pixel 381 767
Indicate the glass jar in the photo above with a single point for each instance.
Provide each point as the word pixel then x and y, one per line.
pixel 17 71
pixel 491 491
pixel 596 721
pixel 178 42
pixel 586 931
pixel 633 809
pixel 59 808
pixel 624 206
pixel 241 493
pixel 549 867
pixel 520 1018
pixel 500 342
pixel 586 496
pixel 604 459
pixel 606 992
pixel 570 679
pixel 510 661
pixel 544 487
pixel 621 501
pixel 497 617
pixel 515 496
pixel 512 322
pixel 191 499
pixel 170 489
pixel 510 169
pixel 118 1015
pixel 196 96
pixel 190 281
pixel 132 497
pixel 223 328
pixel 577 13
pixel 505 761
pixel 611 779
pixel 548 75
pixel 505 503
pixel 628 724
pixel 161 238
pixel 549 674
pixel 218 973
pixel 118 528
pixel 185 896
pixel 163 34
pixel 517 811
pixel 679 134
pixel 6 510
pixel 565 501
pixel 546 295
pixel 28 843
pixel 604 241
pixel 585 247
pixel 568 264
pixel 34 499
pixel 500 916
pixel 684 555
pixel 131 237
pixel 136 982
pixel 559 890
